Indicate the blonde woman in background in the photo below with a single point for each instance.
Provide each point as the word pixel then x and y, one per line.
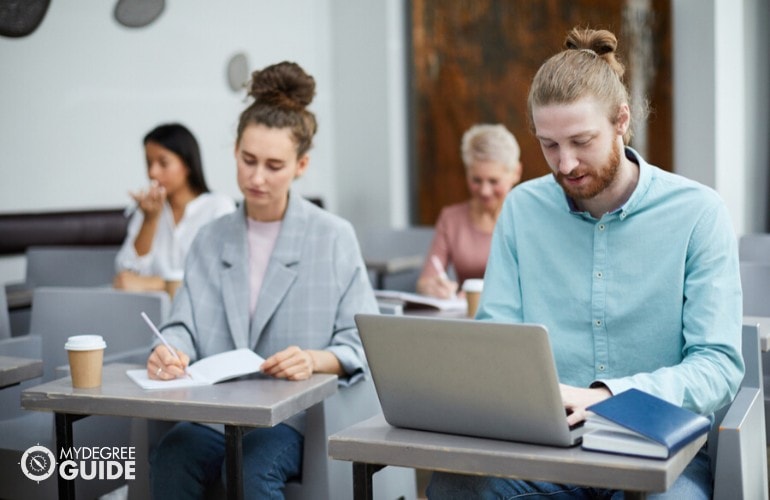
pixel 464 230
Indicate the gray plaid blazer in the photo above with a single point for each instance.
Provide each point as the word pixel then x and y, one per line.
pixel 315 282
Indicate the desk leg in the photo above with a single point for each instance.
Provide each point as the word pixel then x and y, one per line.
pixel 380 280
pixel 64 440
pixel 634 495
pixel 234 461
pixel 362 480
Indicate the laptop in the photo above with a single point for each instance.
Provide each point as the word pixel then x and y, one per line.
pixel 477 378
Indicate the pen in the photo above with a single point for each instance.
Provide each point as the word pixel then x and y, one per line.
pixel 161 337
pixel 439 268
pixel 441 272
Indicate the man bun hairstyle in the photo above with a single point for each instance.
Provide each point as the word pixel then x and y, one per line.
pixel 588 66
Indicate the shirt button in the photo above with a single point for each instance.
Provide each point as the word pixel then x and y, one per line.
pixel 598 322
pixel 599 274
pixel 600 368
pixel 601 227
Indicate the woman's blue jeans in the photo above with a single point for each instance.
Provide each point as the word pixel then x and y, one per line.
pixel 694 483
pixel 190 459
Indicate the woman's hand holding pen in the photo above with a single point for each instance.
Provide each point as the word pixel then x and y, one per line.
pixel 163 365
pixel 439 285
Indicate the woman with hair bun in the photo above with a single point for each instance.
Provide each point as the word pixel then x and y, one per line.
pixel 169 213
pixel 281 276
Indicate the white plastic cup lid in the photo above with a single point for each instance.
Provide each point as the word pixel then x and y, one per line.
pixel 85 343
pixel 473 285
pixel 177 275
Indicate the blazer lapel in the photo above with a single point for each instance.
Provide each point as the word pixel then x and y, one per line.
pixel 281 270
pixel 235 280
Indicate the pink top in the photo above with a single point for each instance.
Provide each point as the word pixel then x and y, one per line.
pixel 458 243
pixel 262 237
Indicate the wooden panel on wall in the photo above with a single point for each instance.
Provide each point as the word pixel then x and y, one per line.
pixel 473 61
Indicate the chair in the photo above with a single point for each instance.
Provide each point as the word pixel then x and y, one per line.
pixel 60 266
pixel 57 313
pixel 327 479
pixel 5 318
pixel 395 257
pixel 70 266
pixel 755 281
pixel 324 478
pixel 737 438
pixel 754 248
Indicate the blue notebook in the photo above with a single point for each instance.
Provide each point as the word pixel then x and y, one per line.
pixel 637 423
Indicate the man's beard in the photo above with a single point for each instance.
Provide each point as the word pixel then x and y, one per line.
pixel 600 179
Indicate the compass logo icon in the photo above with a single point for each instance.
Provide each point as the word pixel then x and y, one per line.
pixel 38 463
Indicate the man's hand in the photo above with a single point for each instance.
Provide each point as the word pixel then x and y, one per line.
pixel 577 399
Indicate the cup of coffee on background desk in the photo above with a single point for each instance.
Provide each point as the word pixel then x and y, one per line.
pixel 173 281
pixel 86 355
pixel 472 289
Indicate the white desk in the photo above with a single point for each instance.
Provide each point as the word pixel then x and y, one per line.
pixel 373 444
pixel 239 405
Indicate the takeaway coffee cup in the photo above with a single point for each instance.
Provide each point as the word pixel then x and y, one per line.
pixel 173 281
pixel 86 354
pixel 472 289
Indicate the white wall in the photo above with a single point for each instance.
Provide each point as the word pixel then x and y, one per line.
pixel 370 77
pixel 80 92
pixel 721 105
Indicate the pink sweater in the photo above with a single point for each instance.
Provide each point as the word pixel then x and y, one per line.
pixel 459 243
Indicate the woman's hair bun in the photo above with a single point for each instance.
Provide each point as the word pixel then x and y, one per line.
pixel 284 85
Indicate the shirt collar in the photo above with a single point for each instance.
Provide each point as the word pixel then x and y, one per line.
pixel 645 177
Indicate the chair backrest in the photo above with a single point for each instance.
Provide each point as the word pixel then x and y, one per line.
pixel 70 266
pixel 5 317
pixel 755 281
pixel 60 312
pixel 737 438
pixel 380 243
pixel 754 248
pixel 327 479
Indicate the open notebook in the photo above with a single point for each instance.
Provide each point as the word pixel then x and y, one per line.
pixel 207 371
pixel 416 300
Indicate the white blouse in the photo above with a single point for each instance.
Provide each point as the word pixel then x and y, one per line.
pixel 171 241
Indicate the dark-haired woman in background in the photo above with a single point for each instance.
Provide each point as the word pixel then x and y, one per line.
pixel 169 213
pixel 280 276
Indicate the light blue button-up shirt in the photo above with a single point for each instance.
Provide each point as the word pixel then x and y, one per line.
pixel 648 296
